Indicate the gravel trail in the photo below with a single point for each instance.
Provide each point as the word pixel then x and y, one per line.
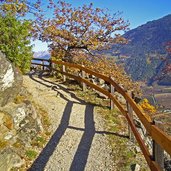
pixel 78 140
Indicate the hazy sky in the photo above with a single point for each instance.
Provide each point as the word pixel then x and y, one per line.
pixel 138 12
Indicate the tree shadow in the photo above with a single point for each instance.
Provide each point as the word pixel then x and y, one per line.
pixel 80 158
pixel 81 155
pixel 56 86
pixel 43 158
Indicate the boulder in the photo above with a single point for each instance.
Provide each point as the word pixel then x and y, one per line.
pixel 10 81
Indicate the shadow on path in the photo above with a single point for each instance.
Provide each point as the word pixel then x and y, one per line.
pixel 82 152
pixel 81 155
pixel 43 158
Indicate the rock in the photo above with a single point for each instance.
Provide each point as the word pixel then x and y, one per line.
pixel 1 118
pixel 9 159
pixel 10 81
pixel 93 81
pixel 24 120
pixel 137 149
pixel 106 87
pixel 135 167
pixel 101 81
pixel 4 131
pixel 120 98
pixel 16 112
pixel 167 163
pixel 101 95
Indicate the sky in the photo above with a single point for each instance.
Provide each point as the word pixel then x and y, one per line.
pixel 137 12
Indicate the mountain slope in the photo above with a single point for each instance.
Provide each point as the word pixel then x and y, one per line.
pixel 144 55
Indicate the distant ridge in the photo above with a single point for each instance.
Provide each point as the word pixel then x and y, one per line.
pixel 144 55
pixel 42 54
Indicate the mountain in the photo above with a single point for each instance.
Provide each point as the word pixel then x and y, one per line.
pixel 42 54
pixel 144 57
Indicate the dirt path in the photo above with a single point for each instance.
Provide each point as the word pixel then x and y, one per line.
pixel 79 141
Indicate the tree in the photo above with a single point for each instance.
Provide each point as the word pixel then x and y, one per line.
pixel 76 34
pixel 80 30
pixel 19 7
pixel 15 41
pixel 147 108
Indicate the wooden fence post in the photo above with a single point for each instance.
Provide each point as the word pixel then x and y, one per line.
pixel 64 70
pixel 50 65
pixel 42 67
pixel 83 76
pixel 130 113
pixel 112 90
pixel 158 152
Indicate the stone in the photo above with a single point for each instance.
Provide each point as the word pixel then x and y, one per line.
pixel 106 87
pixel 8 136
pixel 4 131
pixel 167 163
pixel 9 159
pixel 137 149
pixel 101 81
pixel 25 121
pixel 1 117
pixel 8 78
pixel 120 98
pixel 8 121
pixel 10 81
pixel 135 167
pixel 101 95
pixel 16 112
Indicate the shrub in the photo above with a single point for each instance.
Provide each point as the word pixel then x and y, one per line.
pixel 15 41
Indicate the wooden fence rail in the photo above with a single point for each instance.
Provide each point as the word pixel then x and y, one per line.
pixel 158 136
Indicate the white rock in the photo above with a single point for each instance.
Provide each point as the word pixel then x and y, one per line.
pixel 20 115
pixel 137 167
pixel 8 78
pixel 8 136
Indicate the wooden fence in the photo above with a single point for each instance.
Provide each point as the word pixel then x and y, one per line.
pixel 161 141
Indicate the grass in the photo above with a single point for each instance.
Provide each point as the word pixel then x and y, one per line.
pixel 19 99
pixel 31 154
pixel 45 119
pixel 17 144
pixel 3 144
pixel 39 141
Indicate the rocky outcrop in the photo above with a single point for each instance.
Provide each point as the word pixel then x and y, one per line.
pixel 10 81
pixel 19 121
pixel 19 125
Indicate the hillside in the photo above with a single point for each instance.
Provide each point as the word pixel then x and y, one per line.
pixel 144 55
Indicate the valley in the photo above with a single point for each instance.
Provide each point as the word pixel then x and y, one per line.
pixel 159 96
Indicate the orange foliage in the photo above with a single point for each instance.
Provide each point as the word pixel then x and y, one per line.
pixel 79 28
pixel 19 7
pixel 146 107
